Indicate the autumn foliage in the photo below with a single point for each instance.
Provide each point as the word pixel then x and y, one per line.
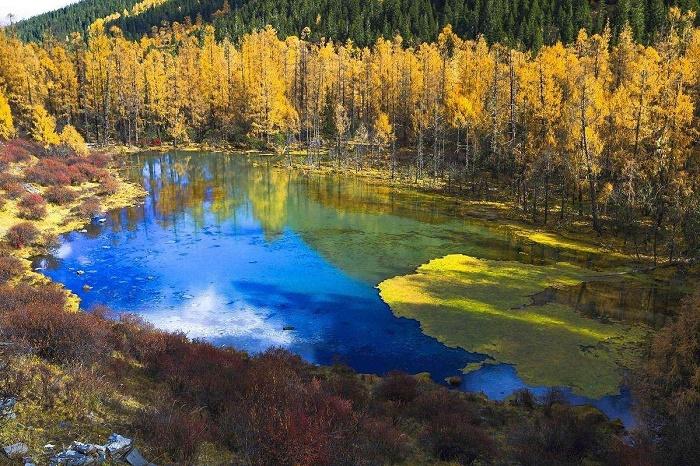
pixel 21 235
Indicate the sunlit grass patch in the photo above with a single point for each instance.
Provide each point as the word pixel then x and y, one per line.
pixel 485 307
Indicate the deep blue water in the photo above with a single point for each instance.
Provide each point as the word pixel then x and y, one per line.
pixel 228 249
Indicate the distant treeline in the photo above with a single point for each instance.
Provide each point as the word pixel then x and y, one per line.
pixel 528 23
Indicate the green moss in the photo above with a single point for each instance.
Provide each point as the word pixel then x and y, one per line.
pixel 485 307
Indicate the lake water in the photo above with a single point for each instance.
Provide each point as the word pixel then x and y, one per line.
pixel 229 249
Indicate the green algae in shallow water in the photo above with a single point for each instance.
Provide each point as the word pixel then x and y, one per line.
pixel 484 306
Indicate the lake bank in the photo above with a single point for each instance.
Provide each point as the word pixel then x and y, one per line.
pixel 218 247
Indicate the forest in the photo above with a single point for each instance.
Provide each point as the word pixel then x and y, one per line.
pixel 550 143
pixel 526 23
pixel 594 129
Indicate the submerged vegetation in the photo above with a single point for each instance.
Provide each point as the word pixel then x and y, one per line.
pixel 486 307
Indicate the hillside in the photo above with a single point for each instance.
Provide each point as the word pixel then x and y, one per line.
pixel 527 22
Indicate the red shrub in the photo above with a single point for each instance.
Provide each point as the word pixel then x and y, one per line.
pixel 14 190
pixel 35 316
pixel 7 179
pixel 397 387
pixel 60 195
pixel 177 434
pixel 108 184
pixel 21 235
pixel 450 438
pixel 10 267
pixel 86 171
pixel 90 207
pixel 49 172
pixel 32 207
pixel 19 150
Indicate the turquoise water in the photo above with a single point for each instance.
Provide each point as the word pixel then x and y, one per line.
pixel 229 249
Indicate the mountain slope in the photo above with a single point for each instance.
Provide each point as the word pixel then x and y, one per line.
pixel 72 18
pixel 527 22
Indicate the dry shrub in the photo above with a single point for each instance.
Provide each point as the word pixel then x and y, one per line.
pixel 32 207
pixel 176 433
pixel 7 179
pixel 10 267
pixel 50 172
pixel 19 150
pixel 21 235
pixel 90 207
pixel 14 190
pixel 60 195
pixel 397 387
pixel 36 317
pixel 108 184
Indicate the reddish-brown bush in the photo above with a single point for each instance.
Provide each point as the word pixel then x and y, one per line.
pixel 450 438
pixel 19 150
pixel 49 172
pixel 10 267
pixel 86 171
pixel 108 184
pixel 7 179
pixel 397 387
pixel 35 316
pixel 60 195
pixel 14 190
pixel 176 433
pixel 32 206
pixel 90 207
pixel 21 235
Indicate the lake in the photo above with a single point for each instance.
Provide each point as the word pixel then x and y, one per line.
pixel 230 249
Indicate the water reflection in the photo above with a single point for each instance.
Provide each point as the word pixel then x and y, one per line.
pixel 229 249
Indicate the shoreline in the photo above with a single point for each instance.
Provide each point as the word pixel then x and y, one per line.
pixel 576 237
pixel 62 219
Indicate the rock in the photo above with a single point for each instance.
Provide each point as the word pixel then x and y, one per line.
pixel 134 458
pixel 49 446
pixel 72 458
pixel 87 448
pixel 30 189
pixel 288 328
pixel 28 461
pixel 117 445
pixel 80 272
pixel 102 220
pixel 454 381
pixel 87 287
pixel 16 450
pixel 7 405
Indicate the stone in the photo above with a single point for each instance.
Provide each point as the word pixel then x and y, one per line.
pixel 16 450
pixel 86 448
pixel 134 458
pixel 117 445
pixel 7 405
pixel 80 272
pixel 87 287
pixel 288 328
pixel 72 458
pixel 28 461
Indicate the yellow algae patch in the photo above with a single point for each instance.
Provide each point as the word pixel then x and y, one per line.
pixel 485 307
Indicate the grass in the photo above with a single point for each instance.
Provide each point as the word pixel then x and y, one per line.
pixel 485 307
